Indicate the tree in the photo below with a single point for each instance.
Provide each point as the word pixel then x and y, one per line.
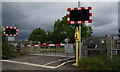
pixel 49 36
pixel 63 30
pixel 38 34
pixel 86 30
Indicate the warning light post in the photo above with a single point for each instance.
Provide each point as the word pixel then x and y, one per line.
pixel 77 16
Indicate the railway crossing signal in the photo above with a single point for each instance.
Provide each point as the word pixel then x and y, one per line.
pixel 77 16
pixel 10 31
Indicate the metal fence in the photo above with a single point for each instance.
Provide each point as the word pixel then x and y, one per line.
pixel 91 46
pixel 46 49
pixel 96 46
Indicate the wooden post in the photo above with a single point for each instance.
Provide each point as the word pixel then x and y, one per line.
pixel 20 47
pixel 101 49
pixel 108 45
pixel 113 43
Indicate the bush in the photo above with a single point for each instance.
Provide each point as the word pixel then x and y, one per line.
pixel 100 63
pixel 8 51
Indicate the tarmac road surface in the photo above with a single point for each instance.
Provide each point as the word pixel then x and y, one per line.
pixel 38 62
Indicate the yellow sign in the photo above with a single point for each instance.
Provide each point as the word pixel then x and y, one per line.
pixel 77 34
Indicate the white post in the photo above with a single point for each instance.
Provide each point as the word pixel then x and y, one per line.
pixel 67 53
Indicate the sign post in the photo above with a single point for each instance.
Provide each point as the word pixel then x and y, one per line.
pixel 80 35
pixel 78 16
pixel 66 40
pixel 68 50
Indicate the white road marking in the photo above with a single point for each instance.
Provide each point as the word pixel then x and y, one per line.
pixel 25 63
pixel 53 55
pixel 37 65
pixel 57 61
pixel 64 63
pixel 60 65
pixel 54 61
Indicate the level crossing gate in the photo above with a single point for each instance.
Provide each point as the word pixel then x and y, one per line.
pixel 46 49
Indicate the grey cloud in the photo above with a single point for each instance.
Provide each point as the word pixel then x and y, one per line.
pixel 105 18
pixel 119 15
pixel 30 15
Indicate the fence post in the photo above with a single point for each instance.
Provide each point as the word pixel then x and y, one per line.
pixel 108 45
pixel 101 49
pixel 43 50
pixel 46 49
pixel 20 47
pixel 55 50
pixel 113 43
pixel 30 50
pixel 34 49
pixel 39 48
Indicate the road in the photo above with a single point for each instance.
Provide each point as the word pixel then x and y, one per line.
pixel 38 62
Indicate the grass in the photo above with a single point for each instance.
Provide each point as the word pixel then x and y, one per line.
pixel 100 63
pixel 38 50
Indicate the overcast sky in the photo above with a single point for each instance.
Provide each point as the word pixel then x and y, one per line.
pixel 30 15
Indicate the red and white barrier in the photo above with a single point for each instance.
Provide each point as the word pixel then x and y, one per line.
pixel 45 45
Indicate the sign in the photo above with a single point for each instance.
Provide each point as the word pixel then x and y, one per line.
pixel 67 39
pixel 68 48
pixel 77 34
pixel 11 38
pixel 10 31
pixel 79 15
pixel 114 52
